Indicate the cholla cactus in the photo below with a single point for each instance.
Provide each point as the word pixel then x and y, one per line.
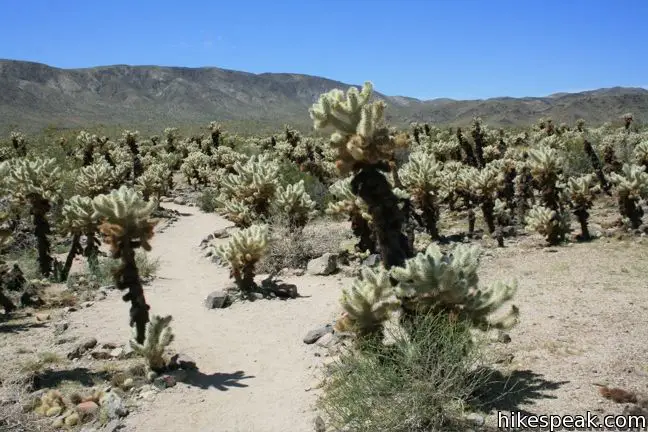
pixel 632 186
pixel 37 182
pixel 154 181
pixel 483 186
pixel 253 185
pixel 124 163
pixel 546 167
pixel 421 177
pixel 243 250
pixel 19 143
pixel 368 303
pixel 355 209
pixel 581 192
pixel 127 226
pixel 432 282
pixel 158 337
pixel 78 218
pixel 293 202
pixel 641 154
pixel 551 224
pixel 196 168
pixel 366 146
pixel 95 179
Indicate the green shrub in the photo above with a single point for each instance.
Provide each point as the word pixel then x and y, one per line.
pixel 421 382
pixel 207 200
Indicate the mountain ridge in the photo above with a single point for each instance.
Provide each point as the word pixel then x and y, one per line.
pixel 34 95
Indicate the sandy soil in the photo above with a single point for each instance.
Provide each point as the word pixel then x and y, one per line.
pixel 583 322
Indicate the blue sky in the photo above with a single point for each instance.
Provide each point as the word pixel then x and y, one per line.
pixel 463 49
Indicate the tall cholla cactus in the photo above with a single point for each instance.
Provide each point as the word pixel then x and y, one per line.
pixel 95 179
pixel 243 250
pixel 293 202
pixel 78 218
pixel 37 182
pixel 366 147
pixel 549 223
pixel 434 283
pixel 353 207
pixel 127 226
pixel 196 168
pixel 632 186
pixel 158 337
pixel 421 177
pixel 641 154
pixel 368 303
pixel 581 192
pixel 129 138
pixel 19 143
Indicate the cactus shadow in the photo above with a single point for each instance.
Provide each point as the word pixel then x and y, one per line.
pixel 500 392
pixel 18 327
pixel 222 381
pixel 50 378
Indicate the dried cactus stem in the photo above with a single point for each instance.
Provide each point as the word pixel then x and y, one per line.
pixel 39 208
pixel 582 215
pixel 127 277
pixel 244 279
pixel 598 167
pixel 523 193
pixel 75 249
pixel 91 250
pixel 372 186
pixel 487 208
pixel 630 209
pixel 430 215
pixel 362 230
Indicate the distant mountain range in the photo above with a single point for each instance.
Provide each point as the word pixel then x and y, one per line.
pixel 34 95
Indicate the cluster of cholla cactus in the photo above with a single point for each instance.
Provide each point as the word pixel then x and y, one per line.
pixel 36 182
pixel 366 147
pixel 158 337
pixel 243 250
pixel 153 182
pixel 430 282
pixel 295 204
pixel 632 186
pixel 127 226
pixel 581 192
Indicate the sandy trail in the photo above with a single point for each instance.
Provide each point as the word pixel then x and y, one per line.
pixel 254 367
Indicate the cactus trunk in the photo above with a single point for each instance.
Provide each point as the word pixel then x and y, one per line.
pixel 630 209
pixel 75 249
pixel 127 276
pixel 372 186
pixel 487 207
pixel 39 208
pixel 245 279
pixel 582 215
pixel 362 230
pixel 598 167
pixel 430 211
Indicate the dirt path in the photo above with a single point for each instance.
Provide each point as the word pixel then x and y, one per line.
pixel 254 367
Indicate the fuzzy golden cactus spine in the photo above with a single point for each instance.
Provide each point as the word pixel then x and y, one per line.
pixel 243 250
pixel 126 227
pixel 581 192
pixel 367 304
pixel 631 186
pixel 37 183
pixel 365 146
pixel 435 283
pixel 158 337
pixel 293 202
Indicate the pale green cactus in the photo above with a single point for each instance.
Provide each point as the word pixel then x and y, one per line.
pixel 19 143
pixel 126 227
pixel 433 282
pixel 631 186
pixel 243 250
pixel 124 163
pixel 359 136
pixel 154 181
pixel 226 157
pixel 346 204
pixel 549 223
pixel 368 303
pixel 237 212
pixel 581 192
pixel 641 153
pixel 422 179
pixel 293 202
pixel 158 337
pixel 196 168
pixel 95 179
pixel 78 218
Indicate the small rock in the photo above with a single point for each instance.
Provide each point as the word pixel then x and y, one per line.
pixel 87 408
pixel 327 340
pixel 180 200
pixel 43 317
pixel 128 384
pixel 314 335
pixel 109 345
pixel 217 300
pixel 64 340
pixel 257 296
pixel 101 355
pixel 320 426
pixel 112 406
pixel 164 382
pixel 285 290
pixel 372 260
pixel 117 353
pixel 322 266
pixel 70 309
pixel 87 304
pixel 59 328
pixel 82 348
pixel 88 343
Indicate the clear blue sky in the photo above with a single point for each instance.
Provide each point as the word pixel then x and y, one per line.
pixel 425 49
